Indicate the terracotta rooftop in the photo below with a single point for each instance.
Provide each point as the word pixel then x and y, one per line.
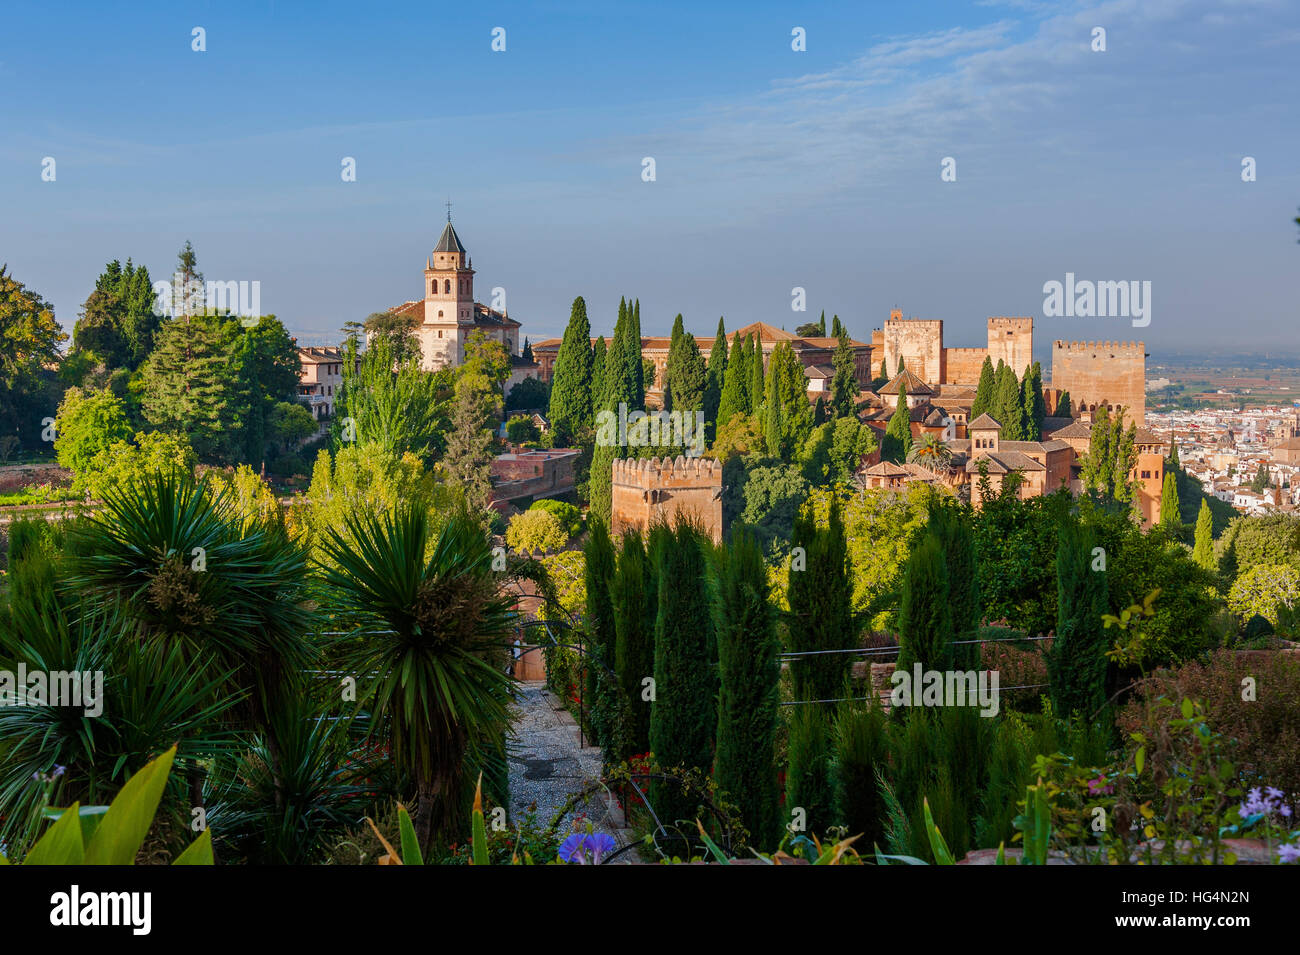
pixel 985 422
pixel 915 386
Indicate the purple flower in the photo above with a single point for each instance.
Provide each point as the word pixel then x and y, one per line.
pixel 1288 853
pixel 586 848
pixel 1099 786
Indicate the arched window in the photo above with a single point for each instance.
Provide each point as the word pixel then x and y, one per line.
pixel 446 286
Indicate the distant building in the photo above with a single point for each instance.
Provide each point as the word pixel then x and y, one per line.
pixel 320 379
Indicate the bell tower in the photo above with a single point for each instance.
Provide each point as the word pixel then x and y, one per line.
pixel 448 301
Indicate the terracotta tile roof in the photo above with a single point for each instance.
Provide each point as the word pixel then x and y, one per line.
pixel 915 386
pixel 985 422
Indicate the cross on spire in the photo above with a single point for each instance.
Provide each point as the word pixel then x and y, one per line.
pixel 448 210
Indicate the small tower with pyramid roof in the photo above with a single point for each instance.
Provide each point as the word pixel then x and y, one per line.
pixel 448 301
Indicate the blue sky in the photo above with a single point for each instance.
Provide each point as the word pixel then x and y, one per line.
pixel 774 168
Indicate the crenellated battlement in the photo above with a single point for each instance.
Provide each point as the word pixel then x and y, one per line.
pixel 1132 348
pixel 647 472
pixel 647 490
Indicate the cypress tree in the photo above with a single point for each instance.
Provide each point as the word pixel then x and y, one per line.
pixel 716 373
pixel 621 364
pixel 683 719
pixel 819 412
pixel 901 369
pixel 735 384
pixel 925 625
pixel 1006 405
pixel 821 324
pixel 571 399
pixel 951 528
pixel 808 783
pixel 599 633
pixel 1203 551
pixel 984 393
pixel 860 749
pixel 884 372
pixel 788 416
pixel 599 353
pixel 527 353
pixel 1173 462
pixel 1063 409
pixel 897 443
pixel 757 385
pixel 1039 414
pixel 634 362
pixel 687 377
pixel 634 638
pixel 821 608
pixel 844 386
pixel 837 329
pixel 1076 664
pixel 749 672
pixel 1169 514
pixel 1027 408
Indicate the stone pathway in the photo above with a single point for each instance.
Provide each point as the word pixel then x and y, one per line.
pixel 547 765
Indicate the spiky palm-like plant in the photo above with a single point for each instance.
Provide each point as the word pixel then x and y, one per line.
pixel 172 555
pixel 930 452
pixel 434 677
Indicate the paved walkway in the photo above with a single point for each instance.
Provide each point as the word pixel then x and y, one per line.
pixel 547 764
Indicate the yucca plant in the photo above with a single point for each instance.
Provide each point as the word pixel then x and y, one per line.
pixel 172 555
pixel 151 697
pixel 429 627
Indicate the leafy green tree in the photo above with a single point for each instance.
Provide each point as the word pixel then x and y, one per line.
pixel 1261 479
pixel 683 719
pixel 1076 663
pixel 393 405
pixel 268 370
pixel 121 463
pixel 31 340
pixel 749 671
pixel 633 595
pixel 531 394
pixel 984 392
pixel 287 424
pixel 568 515
pixel 521 429
pixel 1111 457
pixel 571 379
pixel 1269 539
pixel 535 532
pixel 834 450
pixel 1271 591
pixel 87 424
pixel 925 624
pixel 401 331
pixel 475 410
pixel 897 444
pixel 844 385
pixel 1203 551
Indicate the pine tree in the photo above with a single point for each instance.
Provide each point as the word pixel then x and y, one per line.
pixel 749 672
pixel 189 386
pixel 1169 514
pixel 925 625
pixel 683 719
pixel 984 393
pixel 634 628
pixel 844 386
pixel 468 458
pixel 571 379
pixel 897 443
pixel 1076 663
pixel 1203 551
pixel 735 384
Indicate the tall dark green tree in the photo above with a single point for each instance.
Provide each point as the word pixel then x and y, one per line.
pixel 757 376
pixel 715 377
pixel 1076 663
pixel 925 625
pixel 735 385
pixel 1203 551
pixel 1039 409
pixel 634 625
pixel 634 338
pixel 844 386
pixel 190 385
pixel 599 635
pixel 951 527
pixel 1007 404
pixel 571 379
pixel 897 443
pixel 787 416
pixel 837 328
pixel 599 352
pixel 683 719
pixel 687 375
pixel 1170 520
pixel 984 393
pixel 1063 406
pixel 619 388
pixel 749 672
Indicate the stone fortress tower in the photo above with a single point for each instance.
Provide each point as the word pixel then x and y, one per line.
pixel 1102 373
pixel 647 490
